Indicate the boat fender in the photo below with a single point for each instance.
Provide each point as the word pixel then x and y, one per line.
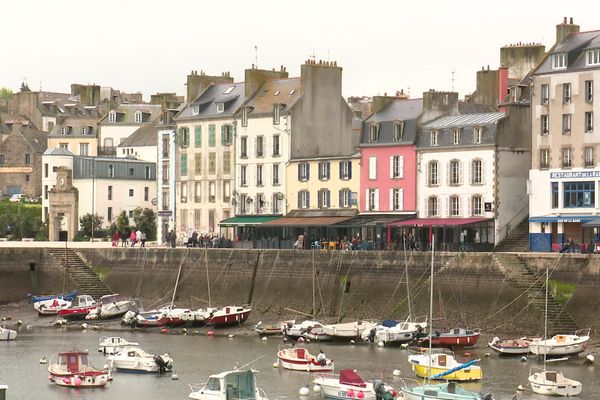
pixel 164 331
pixel 396 372
pixel 350 393
pixel 487 396
pixel 174 377
pixel 304 391
pixel 590 358
pixel 316 388
pixel 210 333
pixel 77 380
pixel 468 354
pixel 360 395
pixel 524 359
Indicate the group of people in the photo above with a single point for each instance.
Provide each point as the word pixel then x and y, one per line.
pixel 205 240
pixel 127 238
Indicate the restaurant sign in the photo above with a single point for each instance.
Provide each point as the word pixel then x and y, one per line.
pixel 574 174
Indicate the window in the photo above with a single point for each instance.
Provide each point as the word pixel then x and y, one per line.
pixel 275 174
pixel 84 149
pixel 146 193
pixel 454 206
pixel 130 192
pixel 2 161
pixel 226 162
pixel 303 199
pixel 345 198
pixel 259 146
pixel 544 158
pixel 226 191
pixel 244 116
pixel 455 136
pixel 195 110
pixel 398 131
pixel 589 121
pixel 455 172
pixel 64 130
pixel 566 93
pixel 345 170
pixel 593 57
pixel 197 192
pixel 244 146
pixel 111 171
pixel 396 167
pixel 589 91
pixel 554 189
pixel 198 136
pixel 433 209
pixel 184 137
pixel 211 135
pixel 229 89
pixel 396 199
pixel 545 93
pixel 46 192
pixel 477 134
pixel 566 124
pixel 165 147
pixel 109 214
pixel 372 167
pixel 372 199
pixel 84 130
pixel 184 165
pixel 578 194
pixel 212 163
pixel 64 146
pixel 373 133
pixel 220 107
pixel 112 116
pixel 588 156
pixel 545 124
pixel 243 181
pixel 110 192
pixel 433 173
pixel 559 61
pixel 138 116
pixel 276 203
pixel 276 111
pixel 566 157
pixel 226 135
pixel 259 175
pixel 476 205
pixel 130 213
pixel 433 138
pixel 45 170
pixel 324 170
pixel 476 172
pixel 303 172
pixel 324 198
pixel 197 163
pixel 27 158
pixel 212 191
pixel 165 174
pixel 183 192
pixel 276 145
pixel 131 171
pixel 197 218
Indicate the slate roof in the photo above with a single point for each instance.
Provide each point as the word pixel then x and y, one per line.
pixel 464 120
pixel 57 151
pixel 279 91
pixel 37 140
pixel 146 135
pixel 467 123
pixel 407 110
pixel 127 112
pixel 76 124
pixel 575 45
pixel 207 101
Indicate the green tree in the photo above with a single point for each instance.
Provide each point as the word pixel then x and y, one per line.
pixel 145 220
pixel 19 220
pixel 91 222
pixel 123 223
pixel 5 93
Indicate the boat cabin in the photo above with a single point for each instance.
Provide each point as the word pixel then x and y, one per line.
pixel 112 298
pixel 231 385
pixel 83 301
pixel 351 378
pixel 73 361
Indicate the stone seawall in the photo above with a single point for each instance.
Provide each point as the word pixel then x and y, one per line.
pixel 469 289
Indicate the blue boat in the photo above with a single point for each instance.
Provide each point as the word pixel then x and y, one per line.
pixel 65 296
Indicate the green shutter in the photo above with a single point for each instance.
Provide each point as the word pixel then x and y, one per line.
pixel 198 136
pixel 184 165
pixel 211 135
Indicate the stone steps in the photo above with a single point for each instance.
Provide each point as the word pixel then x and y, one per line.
pixel 517 239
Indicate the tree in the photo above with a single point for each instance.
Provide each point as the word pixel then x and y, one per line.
pixel 123 223
pixel 90 223
pixel 5 93
pixel 145 221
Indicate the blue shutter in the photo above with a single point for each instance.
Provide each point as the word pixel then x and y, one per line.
pixel 320 202
pixel 299 172
pixel 349 169
pixel 349 194
pixel 340 168
pixel 299 199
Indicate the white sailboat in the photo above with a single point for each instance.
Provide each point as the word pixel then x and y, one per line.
pixel 552 383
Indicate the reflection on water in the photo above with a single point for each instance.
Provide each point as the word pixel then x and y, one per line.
pixel 197 357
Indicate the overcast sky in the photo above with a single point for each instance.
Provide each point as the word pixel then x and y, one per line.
pixel 383 46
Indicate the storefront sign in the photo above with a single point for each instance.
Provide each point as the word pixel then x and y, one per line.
pixel 568 220
pixel 487 206
pixel 575 175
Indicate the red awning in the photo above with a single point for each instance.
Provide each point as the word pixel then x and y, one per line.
pixel 438 221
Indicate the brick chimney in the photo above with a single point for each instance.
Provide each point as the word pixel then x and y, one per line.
pixel 254 78
pixel 565 29
pixel 196 83
pixel 438 104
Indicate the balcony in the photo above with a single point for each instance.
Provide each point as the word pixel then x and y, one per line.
pixel 107 151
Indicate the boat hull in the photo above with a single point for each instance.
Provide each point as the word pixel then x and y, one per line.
pixel 463 375
pixel 303 365
pixel 557 350
pixel 75 313
pixel 65 296
pixel 470 340
pixel 81 381
pixel 433 391
pixel 228 319
pixel 7 334
pixel 567 387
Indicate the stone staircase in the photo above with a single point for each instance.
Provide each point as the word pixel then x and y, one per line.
pixel 79 272
pixel 517 270
pixel 517 239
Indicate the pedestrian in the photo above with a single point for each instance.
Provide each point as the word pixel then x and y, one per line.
pixel 132 237
pixel 138 236
pixel 115 239
pixel 124 237
pixel 143 239
pixel 172 238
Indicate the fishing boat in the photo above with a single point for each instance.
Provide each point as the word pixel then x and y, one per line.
pixel 236 384
pixel 7 334
pixel 396 332
pixel 312 330
pixel 135 359
pixel 80 307
pixel 546 382
pixel 442 362
pixel 299 359
pixel 113 344
pixel 348 330
pixel 72 368
pixel 512 346
pixel 65 296
pixel 51 307
pixel 349 385
pixel 110 306
pixel 561 345
pixel 457 337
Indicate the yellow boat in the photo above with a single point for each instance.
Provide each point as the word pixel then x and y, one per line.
pixel 440 363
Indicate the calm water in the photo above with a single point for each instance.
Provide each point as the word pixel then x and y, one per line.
pixel 196 357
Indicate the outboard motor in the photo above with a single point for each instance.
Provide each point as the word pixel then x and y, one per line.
pixel 163 362
pixel 379 388
pixel 371 337
pixel 487 396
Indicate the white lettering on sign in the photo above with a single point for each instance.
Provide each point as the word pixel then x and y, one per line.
pixel 575 174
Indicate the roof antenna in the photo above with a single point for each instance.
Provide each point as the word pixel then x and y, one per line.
pixel 453 81
pixel 312 56
pixel 256 56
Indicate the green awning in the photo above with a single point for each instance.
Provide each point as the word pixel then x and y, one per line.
pixel 248 220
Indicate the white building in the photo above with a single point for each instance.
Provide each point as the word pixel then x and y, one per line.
pixel 121 122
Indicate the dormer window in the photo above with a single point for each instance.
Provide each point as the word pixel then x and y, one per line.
pixel 292 92
pixel 592 57
pixel 244 116
pixel 220 107
pixel 559 61
pixel 138 116
pixel 398 131
pixel 477 134
pixel 112 116
pixel 433 138
pixel 84 130
pixel 373 133
pixel 276 113
pixel 64 130
pixel 196 110
pixel 276 93
pixel 456 136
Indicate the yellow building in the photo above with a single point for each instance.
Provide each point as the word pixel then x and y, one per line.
pixel 79 135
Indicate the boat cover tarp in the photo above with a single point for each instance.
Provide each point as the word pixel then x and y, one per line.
pixel 457 368
pixel 389 323
pixel 349 377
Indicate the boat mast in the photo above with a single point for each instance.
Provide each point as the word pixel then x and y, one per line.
pixel 176 284
pixel 314 300
pixel 207 276
pixel 546 321
pixel 431 307
pixel 407 281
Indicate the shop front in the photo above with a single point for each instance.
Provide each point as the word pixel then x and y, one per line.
pixel 554 232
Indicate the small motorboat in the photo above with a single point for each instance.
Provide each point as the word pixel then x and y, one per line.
pixel 80 307
pixel 457 337
pixel 51 307
pixel 270 329
pixel 7 334
pixel 143 319
pixel 134 359
pixel 312 330
pixel 74 364
pixel 113 344
pixel 237 384
pixel 65 296
pixel 349 385
pixel 393 332
pixel 512 346
pixel 441 364
pixel 299 359
pixel 228 315
pixel 110 306
pixel 561 345
pixel 442 391
pixel 348 330
pixel 172 317
pixel 553 383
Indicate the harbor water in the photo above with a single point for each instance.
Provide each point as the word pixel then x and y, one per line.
pixel 196 357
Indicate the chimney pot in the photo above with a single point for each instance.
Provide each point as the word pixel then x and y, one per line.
pixel 385 93
pixel 564 20
pixel 571 21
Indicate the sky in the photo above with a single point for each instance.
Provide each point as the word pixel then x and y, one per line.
pixel 383 46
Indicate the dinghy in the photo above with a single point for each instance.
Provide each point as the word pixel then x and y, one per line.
pixel 561 345
pixel 134 359
pixel 7 334
pixel 299 359
pixel 51 307
pixel 349 385
pixel 237 384
pixel 113 344
pixel 110 306
pixel 512 346
pixel 80 308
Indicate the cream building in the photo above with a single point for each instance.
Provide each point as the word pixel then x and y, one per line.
pixel 123 121
pixel 78 135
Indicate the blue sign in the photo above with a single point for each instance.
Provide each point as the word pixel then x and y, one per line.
pixel 574 174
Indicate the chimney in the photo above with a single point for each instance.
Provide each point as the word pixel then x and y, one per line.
pixel 438 104
pixel 565 29
pixel 254 78
pixel 197 83
pixel 320 81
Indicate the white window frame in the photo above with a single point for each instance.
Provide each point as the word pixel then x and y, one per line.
pixel 477 135
pixel 455 172
pixel 275 174
pixel 372 168
pixel 433 137
pixel 276 145
pixel 588 154
pixel 138 117
pixel 325 196
pixel 346 200
pixel 456 136
pixel 454 206
pixel 84 149
pixel 477 171
pixel 373 133
pixel 304 197
pixel 396 199
pixel 260 146
pixel 243 175
pixel 545 124
pixel 566 93
pixel 220 107
pixel 567 157
pixel 592 57
pixel 112 116
pixel 544 158
pixel 559 60
pixel 589 91
pixel 477 205
pixel 324 170
pixel 589 121
pixel 396 167
pixel 84 130
pixel 433 206
pixel 566 124
pixel 372 199
pixel 259 175
pixel 304 171
pixel 276 114
pixel 243 146
pixel 345 172
pixel 545 93
pixel 244 116
pixel 398 131
pixel 433 174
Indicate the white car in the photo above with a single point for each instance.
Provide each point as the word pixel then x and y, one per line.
pixel 15 198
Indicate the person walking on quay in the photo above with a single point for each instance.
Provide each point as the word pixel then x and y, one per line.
pixel 124 237
pixel 143 239
pixel 132 237
pixel 115 239
pixel 138 236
